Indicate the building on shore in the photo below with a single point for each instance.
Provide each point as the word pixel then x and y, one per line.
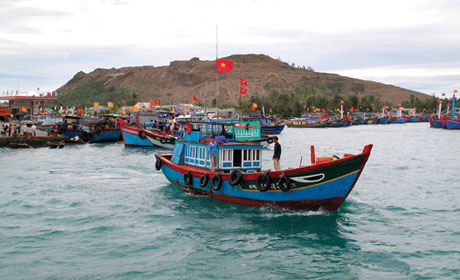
pixel 28 106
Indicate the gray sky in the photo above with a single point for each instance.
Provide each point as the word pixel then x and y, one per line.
pixel 412 44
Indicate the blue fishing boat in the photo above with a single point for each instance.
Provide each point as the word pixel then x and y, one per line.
pixel 239 176
pixel 105 129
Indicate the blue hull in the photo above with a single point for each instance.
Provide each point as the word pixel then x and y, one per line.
pixel 332 189
pixel 131 138
pixel 450 124
pixel 272 129
pixel 106 135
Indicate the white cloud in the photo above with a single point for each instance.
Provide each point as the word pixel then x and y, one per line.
pixel 50 40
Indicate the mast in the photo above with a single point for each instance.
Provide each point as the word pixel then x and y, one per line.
pixel 217 78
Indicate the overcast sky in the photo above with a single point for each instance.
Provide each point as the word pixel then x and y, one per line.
pixel 412 44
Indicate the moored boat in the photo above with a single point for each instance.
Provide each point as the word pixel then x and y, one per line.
pixel 239 176
pixel 302 123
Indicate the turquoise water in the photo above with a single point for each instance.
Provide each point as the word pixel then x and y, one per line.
pixel 101 211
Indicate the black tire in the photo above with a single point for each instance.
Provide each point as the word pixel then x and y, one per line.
pixel 235 177
pixel 284 183
pixel 270 140
pixel 263 182
pixel 188 178
pixel 204 180
pixel 142 134
pixel 163 140
pixel 158 164
pixel 216 182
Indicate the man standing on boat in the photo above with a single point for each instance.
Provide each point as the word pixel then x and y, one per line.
pixel 212 149
pixel 276 154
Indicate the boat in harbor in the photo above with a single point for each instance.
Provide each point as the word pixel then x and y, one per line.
pixel 134 136
pixel 240 178
pixel 90 130
pixel 308 122
pixel 29 141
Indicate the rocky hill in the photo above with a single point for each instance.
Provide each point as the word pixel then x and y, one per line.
pixel 181 79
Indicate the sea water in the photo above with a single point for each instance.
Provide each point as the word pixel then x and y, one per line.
pixel 102 211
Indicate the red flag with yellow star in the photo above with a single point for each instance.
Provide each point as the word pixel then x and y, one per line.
pixel 223 65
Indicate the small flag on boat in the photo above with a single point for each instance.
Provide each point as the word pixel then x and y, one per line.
pixel 254 105
pixel 189 129
pixel 157 102
pixel 223 65
pixel 123 101
pixel 244 82
pixel 38 89
pixel 455 91
pixel 243 91
pixel 96 104
pixel 134 109
pixel 443 94
pixel 17 92
pixel 271 112
pixel 110 104
pixel 79 110
pixel 195 99
pixel 151 106
pixel 23 109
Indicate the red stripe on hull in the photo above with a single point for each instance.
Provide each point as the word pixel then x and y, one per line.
pixel 137 146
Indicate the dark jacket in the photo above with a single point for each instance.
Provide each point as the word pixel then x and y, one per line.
pixel 277 153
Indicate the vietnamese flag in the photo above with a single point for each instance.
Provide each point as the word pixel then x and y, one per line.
pixel 253 108
pixel 243 91
pixel 151 106
pixel 157 102
pixel 123 101
pixel 79 110
pixel 223 65
pixel 443 94
pixel 244 82
pixel 195 99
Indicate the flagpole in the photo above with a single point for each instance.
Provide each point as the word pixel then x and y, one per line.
pixel 217 77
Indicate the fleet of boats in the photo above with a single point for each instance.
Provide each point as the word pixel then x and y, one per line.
pixel 238 175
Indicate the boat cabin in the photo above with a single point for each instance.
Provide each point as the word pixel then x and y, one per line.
pixel 244 157
pixel 231 131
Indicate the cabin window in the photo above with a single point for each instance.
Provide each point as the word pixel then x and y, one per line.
pixel 236 158
pixel 245 154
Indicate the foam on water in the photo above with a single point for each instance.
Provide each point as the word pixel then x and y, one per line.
pixel 101 211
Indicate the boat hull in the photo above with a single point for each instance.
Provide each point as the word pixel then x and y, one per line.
pixel 452 124
pixel 330 183
pixel 269 130
pixel 310 125
pixel 132 137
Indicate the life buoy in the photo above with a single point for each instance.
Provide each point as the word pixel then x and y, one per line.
pixel 284 183
pixel 158 164
pixel 270 140
pixel 216 182
pixel 188 178
pixel 163 140
pixel 235 177
pixel 142 134
pixel 203 180
pixel 263 182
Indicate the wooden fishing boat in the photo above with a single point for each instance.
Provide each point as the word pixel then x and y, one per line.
pixel 302 123
pixel 133 136
pixel 90 130
pixel 29 141
pixel 239 176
